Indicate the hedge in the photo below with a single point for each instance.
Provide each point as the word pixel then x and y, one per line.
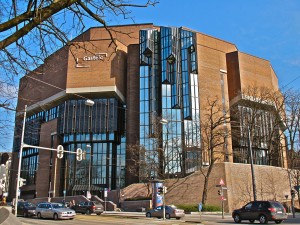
pixel 194 208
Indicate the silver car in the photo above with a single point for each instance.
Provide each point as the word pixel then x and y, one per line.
pixel 54 210
pixel 171 211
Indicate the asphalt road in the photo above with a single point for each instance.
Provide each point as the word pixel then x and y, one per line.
pixel 140 219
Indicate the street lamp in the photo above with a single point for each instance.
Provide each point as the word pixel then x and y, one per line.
pixel 251 161
pixel 164 122
pixel 89 185
pixel 20 161
pixel 89 103
pixel 252 166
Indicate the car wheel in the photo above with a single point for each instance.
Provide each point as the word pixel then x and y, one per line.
pixel 278 221
pixel 148 214
pixel 251 221
pixel 177 218
pixel 98 214
pixel 88 212
pixel 168 216
pixel 237 218
pixel 263 219
pixel 55 216
pixel 39 215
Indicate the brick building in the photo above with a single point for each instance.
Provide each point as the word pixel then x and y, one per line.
pixel 150 86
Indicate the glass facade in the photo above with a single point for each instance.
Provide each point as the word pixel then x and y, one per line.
pixel 99 130
pixel 258 126
pixel 169 90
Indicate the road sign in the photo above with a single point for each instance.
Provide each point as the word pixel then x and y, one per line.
pixel 221 182
pixel 200 207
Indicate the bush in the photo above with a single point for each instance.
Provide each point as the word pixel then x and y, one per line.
pixel 138 199
pixel 194 208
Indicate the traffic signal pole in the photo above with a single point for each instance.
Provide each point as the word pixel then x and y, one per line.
pixel 23 145
pixel 164 204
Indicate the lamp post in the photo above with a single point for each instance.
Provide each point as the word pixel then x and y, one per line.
pixel 164 122
pixel 252 166
pixel 20 162
pixel 89 184
pixel 89 103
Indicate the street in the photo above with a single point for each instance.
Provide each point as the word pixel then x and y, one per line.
pixel 140 219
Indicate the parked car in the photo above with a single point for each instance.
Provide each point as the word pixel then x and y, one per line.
pixel 88 208
pixel 263 211
pixel 171 211
pixel 25 209
pixel 54 210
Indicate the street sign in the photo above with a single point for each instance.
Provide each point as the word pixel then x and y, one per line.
pixel 200 207
pixel 88 194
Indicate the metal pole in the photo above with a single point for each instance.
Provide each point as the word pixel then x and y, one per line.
pixel 90 172
pixel 89 187
pixel 222 198
pixel 54 182
pixel 292 198
pixel 164 203
pixel 20 161
pixel 252 166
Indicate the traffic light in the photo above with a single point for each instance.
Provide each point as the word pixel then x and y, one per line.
pixel 160 190
pixel 293 193
pixel 22 182
pixel 165 189
pixel 79 154
pixel 219 192
pixel 84 155
pixel 60 151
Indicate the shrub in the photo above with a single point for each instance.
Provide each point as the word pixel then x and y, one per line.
pixel 138 199
pixel 194 208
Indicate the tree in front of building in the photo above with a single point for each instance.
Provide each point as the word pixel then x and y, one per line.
pixel 214 135
pixel 292 134
pixel 30 31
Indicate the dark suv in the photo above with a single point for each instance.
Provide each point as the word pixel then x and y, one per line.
pixel 263 211
pixel 88 208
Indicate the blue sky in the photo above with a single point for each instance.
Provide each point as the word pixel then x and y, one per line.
pixel 268 29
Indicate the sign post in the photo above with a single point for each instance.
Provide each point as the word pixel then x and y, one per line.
pixel 200 210
pixel 105 196
pixel 221 193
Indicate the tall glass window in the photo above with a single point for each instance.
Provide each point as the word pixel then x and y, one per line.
pixel 176 83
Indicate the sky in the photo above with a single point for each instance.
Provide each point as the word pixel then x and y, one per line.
pixel 268 29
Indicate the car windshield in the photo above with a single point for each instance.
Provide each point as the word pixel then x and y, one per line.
pixel 57 206
pixel 277 205
pixel 28 204
pixel 97 203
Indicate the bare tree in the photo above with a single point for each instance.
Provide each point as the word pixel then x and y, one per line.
pixel 213 125
pixel 292 134
pixel 258 113
pixel 30 31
